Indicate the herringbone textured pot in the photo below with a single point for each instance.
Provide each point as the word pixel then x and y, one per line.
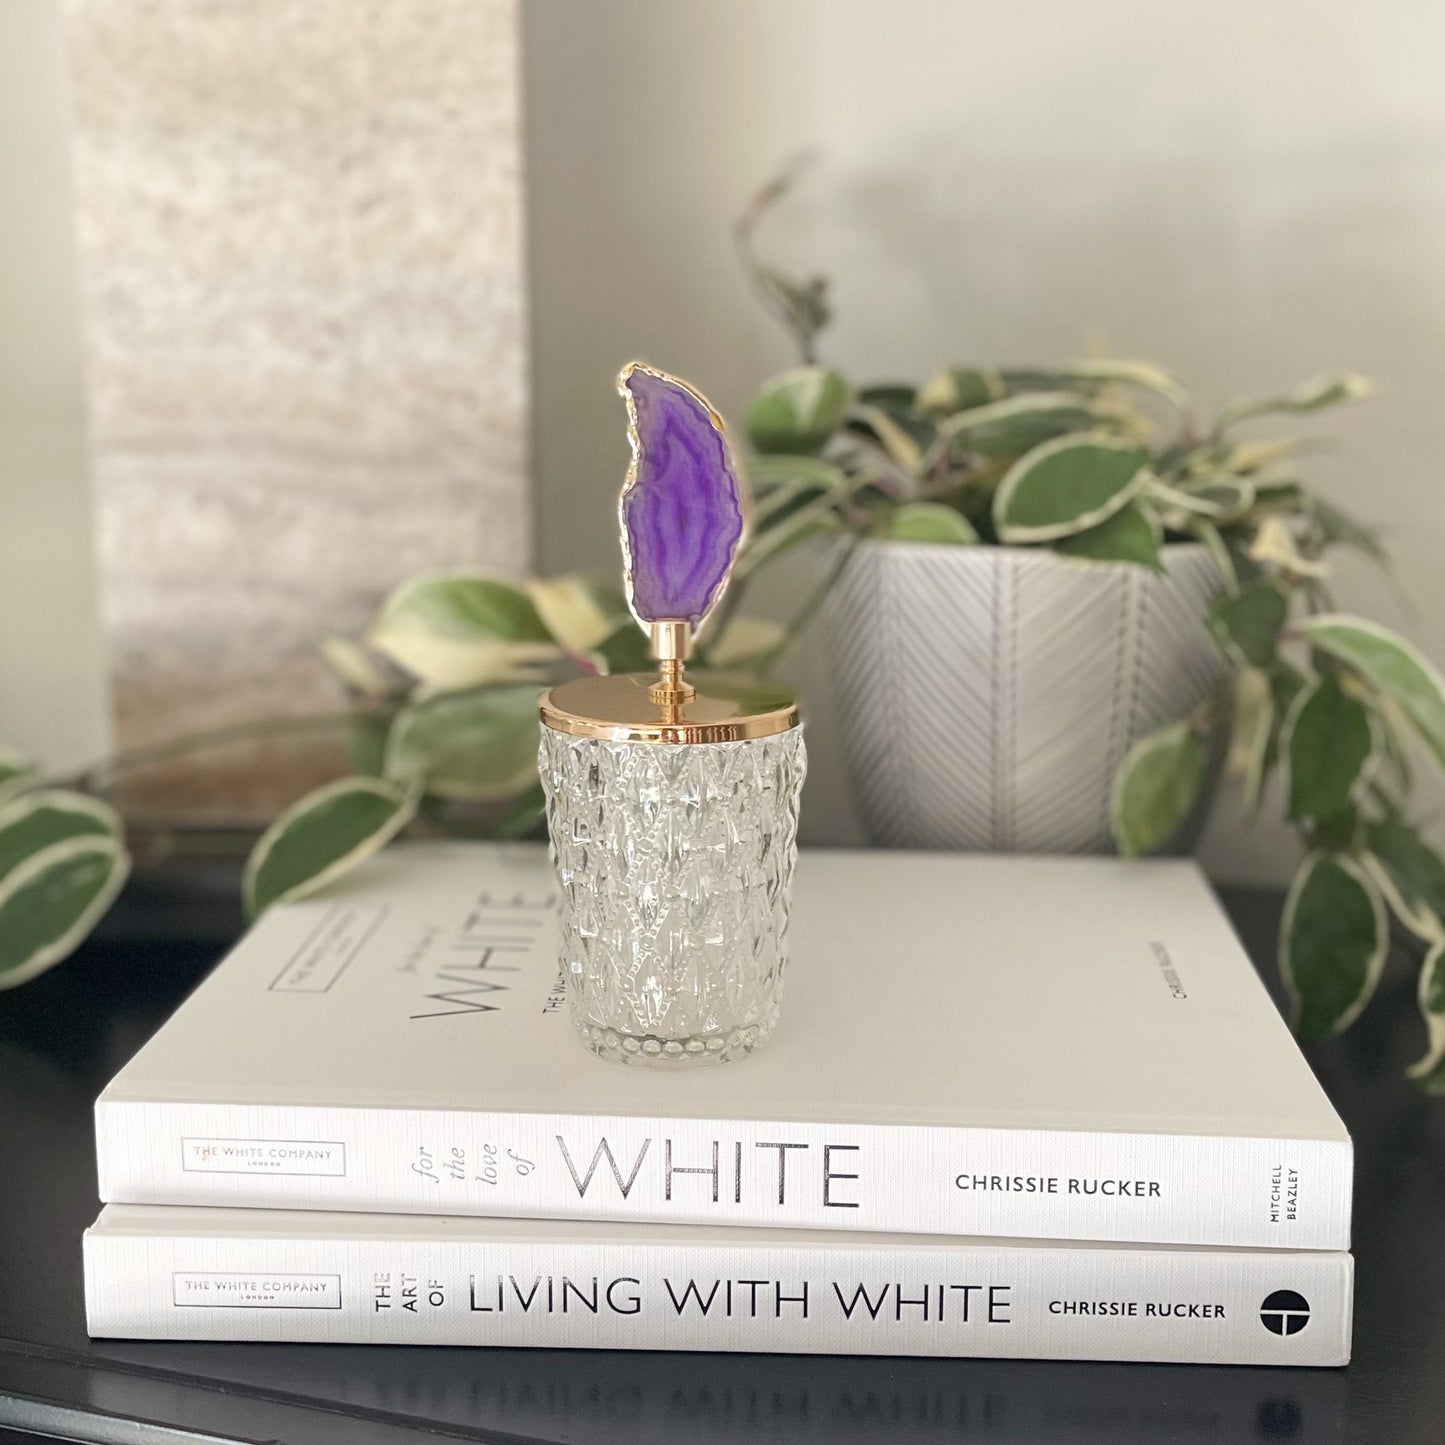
pixel 986 695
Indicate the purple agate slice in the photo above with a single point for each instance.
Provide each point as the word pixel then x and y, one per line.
pixel 682 506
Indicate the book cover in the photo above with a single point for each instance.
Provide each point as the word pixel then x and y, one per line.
pixel 1038 1048
pixel 177 1273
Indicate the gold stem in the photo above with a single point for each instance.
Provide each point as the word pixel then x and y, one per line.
pixel 671 642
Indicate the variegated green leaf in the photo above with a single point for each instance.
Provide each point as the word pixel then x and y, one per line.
pixel 961 388
pixel 1328 740
pixel 1391 666
pixel 1231 497
pixel 1132 534
pixel 1281 496
pixel 798 410
pixel 1156 788
pixel 928 522
pixel 1015 425
pixel 899 404
pixel 579 610
pixel 479 745
pixel 1262 703
pixel 458 630
pixel 1249 458
pixel 1219 499
pixel 355 666
pixel 1396 735
pixel 1178 502
pixel 15 769
pixel 37 820
pixel 1333 941
pixel 1143 374
pixel 50 901
pixel 1247 623
pixel 1429 1070
pixel 895 439
pixel 1067 486
pixel 322 836
pixel 789 490
pixel 1277 544
pixel 769 473
pixel 1254 721
pixel 1410 873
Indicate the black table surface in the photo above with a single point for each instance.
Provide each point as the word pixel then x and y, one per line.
pixel 64 1035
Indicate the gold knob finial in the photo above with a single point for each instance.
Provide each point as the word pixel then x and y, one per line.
pixel 671 642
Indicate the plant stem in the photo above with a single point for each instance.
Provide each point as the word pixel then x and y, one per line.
pixel 776 540
pixel 799 621
pixel 98 776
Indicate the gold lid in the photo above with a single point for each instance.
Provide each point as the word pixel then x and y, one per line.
pixel 721 707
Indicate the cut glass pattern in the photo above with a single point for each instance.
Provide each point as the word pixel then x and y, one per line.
pixel 676 867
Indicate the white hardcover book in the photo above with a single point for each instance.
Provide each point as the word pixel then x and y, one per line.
pixel 233 1274
pixel 1035 1048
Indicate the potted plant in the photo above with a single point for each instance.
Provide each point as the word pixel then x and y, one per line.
pixel 1058 592
pixel 1036 572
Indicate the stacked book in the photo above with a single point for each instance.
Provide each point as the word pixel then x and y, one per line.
pixel 1015 1107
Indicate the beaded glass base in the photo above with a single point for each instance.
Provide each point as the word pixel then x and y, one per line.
pixel 676 868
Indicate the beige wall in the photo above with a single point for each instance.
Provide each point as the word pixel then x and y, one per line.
pixel 1249 192
pixel 52 684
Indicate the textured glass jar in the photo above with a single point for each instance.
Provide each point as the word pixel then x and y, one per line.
pixel 676 863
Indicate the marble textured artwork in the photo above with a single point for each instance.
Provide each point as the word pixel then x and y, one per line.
pixel 301 255
pixel 682 507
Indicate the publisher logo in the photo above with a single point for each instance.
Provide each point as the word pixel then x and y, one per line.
pixel 329 949
pixel 263 1156
pixel 1284 1312
pixel 235 1291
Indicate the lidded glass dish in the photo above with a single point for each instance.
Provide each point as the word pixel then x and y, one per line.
pixel 672 797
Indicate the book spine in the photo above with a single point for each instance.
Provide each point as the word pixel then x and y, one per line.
pixel 909 1179
pixel 748 1295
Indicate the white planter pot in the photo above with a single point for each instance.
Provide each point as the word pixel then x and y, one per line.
pixel 986 695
